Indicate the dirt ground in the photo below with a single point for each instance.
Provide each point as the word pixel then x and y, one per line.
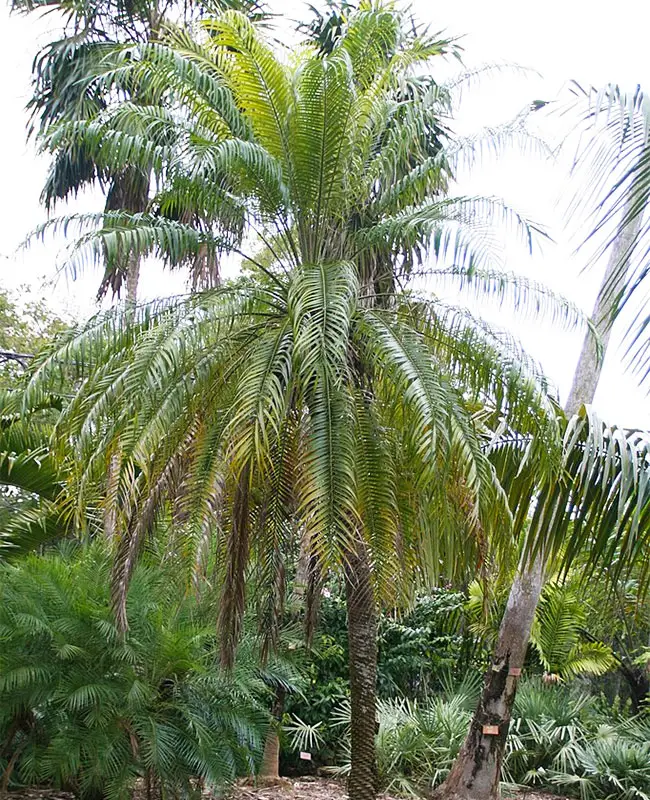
pixel 308 788
pixel 305 788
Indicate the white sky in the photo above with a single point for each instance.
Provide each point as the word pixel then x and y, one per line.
pixel 588 40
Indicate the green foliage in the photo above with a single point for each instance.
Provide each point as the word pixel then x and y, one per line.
pixel 548 724
pixel 417 742
pixel 86 708
pixel 333 396
pixel 420 654
pixel 608 767
pixel 27 324
pixel 424 649
pixel 557 636
pixel 559 741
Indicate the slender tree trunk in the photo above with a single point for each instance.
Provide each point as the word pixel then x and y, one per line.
pixel 129 192
pixel 362 648
pixel 590 365
pixel 132 278
pixel 638 681
pixel 270 766
pixel 476 773
pixel 477 770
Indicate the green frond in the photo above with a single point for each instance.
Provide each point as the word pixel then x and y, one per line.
pixel 262 400
pixel 523 295
pixel 321 131
pixel 375 498
pixel 256 78
pixel 370 39
pixel 589 658
pixel 454 229
pixel 557 636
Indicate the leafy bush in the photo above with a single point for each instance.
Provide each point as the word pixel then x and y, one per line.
pixel 421 650
pixel 559 739
pixel 608 766
pixel 417 741
pixel 417 654
pixel 549 723
pixel 86 709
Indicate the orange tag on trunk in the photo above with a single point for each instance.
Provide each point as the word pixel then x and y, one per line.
pixel 514 671
pixel 490 730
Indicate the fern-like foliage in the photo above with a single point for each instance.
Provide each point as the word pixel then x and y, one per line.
pixel 557 636
pixel 83 706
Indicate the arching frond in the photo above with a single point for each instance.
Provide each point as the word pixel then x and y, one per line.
pixel 523 295
pixel 612 160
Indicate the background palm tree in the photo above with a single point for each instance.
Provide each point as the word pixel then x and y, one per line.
pixel 611 164
pixel 34 506
pixel 68 86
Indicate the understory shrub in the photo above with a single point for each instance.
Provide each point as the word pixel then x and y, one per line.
pixel 85 708
pixel 560 741
pixel 418 654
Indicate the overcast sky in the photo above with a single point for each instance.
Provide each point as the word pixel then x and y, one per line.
pixel 588 40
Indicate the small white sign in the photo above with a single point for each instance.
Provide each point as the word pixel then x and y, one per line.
pixel 305 756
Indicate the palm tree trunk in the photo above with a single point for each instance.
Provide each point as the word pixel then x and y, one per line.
pixel 270 766
pixel 476 773
pixel 129 192
pixel 590 364
pixel 477 770
pixel 362 647
pixel 132 278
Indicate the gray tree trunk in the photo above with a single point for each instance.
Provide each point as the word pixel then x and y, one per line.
pixel 270 767
pixel 132 278
pixel 476 773
pixel 477 770
pixel 590 364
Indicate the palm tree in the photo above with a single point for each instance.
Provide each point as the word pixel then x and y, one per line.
pixel 311 395
pixel 476 773
pixel 598 510
pixel 68 87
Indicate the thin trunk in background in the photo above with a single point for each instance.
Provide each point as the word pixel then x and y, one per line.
pixel 270 766
pixel 129 192
pixel 476 773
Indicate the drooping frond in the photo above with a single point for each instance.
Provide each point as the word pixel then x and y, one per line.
pixel 524 296
pixel 456 230
pixel 612 167
pixel 321 302
pixel 598 505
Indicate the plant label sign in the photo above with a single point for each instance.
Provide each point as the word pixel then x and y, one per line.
pixel 305 756
pixel 515 672
pixel 490 730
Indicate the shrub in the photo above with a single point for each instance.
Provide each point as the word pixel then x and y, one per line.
pixel 608 766
pixel 86 709
pixel 417 653
pixel 417 741
pixel 549 724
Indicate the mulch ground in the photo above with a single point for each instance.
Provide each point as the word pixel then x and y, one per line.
pixel 305 788
pixel 308 788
